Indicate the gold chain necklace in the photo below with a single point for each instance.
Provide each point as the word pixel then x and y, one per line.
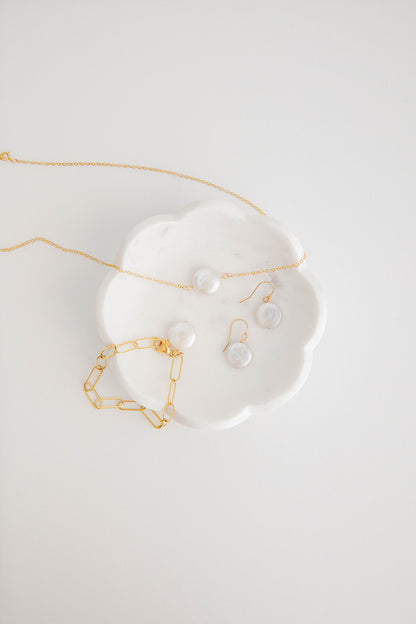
pixel 160 345
pixel 6 157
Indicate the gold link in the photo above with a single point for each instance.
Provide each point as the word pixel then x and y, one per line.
pixel 92 392
pixel 94 376
pixel 109 351
pixel 145 343
pixel 172 392
pixel 176 375
pixel 135 407
pixel 158 423
pixel 101 362
pixel 125 347
pixel 110 402
pixel 168 412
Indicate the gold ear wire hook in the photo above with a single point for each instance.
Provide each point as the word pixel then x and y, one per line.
pixel 244 335
pixel 266 299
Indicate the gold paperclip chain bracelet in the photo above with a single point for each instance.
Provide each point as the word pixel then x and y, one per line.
pixel 158 344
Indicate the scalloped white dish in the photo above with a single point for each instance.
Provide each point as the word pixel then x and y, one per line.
pixel 229 239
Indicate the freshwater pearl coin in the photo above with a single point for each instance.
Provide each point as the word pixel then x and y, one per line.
pixel 206 281
pixel 268 315
pixel 181 335
pixel 239 355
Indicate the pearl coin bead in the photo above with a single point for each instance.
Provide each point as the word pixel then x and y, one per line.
pixel 268 315
pixel 206 281
pixel 181 335
pixel 239 355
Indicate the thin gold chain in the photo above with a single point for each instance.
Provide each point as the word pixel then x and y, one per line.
pixel 5 156
pixel 42 239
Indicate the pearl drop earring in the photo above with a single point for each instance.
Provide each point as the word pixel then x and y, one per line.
pixel 239 354
pixel 268 315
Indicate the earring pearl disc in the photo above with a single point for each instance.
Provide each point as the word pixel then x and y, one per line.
pixel 206 281
pixel 268 315
pixel 239 355
pixel 181 335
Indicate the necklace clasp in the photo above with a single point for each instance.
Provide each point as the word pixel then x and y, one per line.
pixel 6 156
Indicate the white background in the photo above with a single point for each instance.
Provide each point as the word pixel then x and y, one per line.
pixel 308 109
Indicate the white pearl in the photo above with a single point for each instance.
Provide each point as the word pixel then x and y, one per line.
pixel 239 354
pixel 268 315
pixel 181 335
pixel 206 280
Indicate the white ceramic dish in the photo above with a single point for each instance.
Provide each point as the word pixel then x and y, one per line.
pixel 229 238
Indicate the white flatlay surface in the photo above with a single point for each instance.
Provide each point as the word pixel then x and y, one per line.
pixel 228 239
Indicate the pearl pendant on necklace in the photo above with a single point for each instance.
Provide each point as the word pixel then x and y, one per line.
pixel 206 281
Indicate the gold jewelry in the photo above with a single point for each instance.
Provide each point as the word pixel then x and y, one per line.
pixel 266 299
pixel 158 344
pixel 6 157
pixel 268 315
pixel 239 354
